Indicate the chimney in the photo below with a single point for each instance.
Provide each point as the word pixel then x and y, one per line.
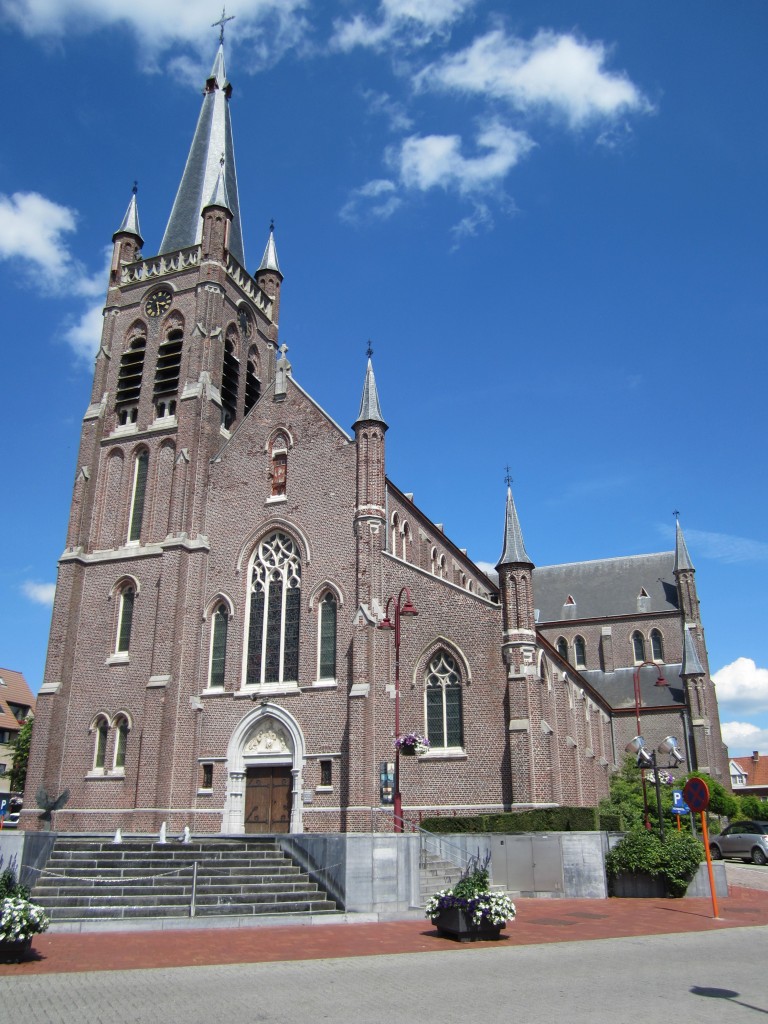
pixel 755 757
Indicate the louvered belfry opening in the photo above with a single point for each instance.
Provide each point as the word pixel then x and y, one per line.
pixel 230 379
pixel 167 372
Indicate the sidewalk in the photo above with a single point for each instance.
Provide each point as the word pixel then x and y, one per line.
pixel 538 921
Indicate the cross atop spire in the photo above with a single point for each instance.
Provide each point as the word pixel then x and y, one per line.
pixel 369 350
pixel 222 22
pixel 507 476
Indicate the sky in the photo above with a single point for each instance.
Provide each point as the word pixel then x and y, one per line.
pixel 548 218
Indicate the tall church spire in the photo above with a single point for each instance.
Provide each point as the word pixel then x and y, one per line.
pixel 514 552
pixel 370 409
pixel 682 558
pixel 211 144
pixel 130 222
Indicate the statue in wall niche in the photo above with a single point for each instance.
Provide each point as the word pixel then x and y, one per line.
pixel 269 738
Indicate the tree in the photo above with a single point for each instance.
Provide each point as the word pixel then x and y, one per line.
pixel 751 806
pixel 20 746
pixel 720 800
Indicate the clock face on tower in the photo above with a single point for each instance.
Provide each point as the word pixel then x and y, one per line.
pixel 158 303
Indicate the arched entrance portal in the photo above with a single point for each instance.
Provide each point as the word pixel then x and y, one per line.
pixel 264 763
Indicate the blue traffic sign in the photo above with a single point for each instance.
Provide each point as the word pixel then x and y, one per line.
pixel 679 806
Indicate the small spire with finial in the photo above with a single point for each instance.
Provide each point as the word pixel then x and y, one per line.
pixel 135 188
pixel 369 350
pixel 222 22
pixel 507 476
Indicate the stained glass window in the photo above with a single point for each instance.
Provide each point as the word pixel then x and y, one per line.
pixel 219 645
pixel 443 702
pixel 125 623
pixel 102 730
pixel 273 628
pixel 579 652
pixel 638 647
pixel 139 494
pixel 657 645
pixel 121 742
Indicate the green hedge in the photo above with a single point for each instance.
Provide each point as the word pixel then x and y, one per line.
pixel 549 819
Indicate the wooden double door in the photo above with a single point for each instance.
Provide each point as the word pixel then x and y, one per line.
pixel 268 792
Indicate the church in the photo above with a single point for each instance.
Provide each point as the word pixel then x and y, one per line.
pixel 249 613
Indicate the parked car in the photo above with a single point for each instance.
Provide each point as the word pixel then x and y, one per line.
pixel 745 840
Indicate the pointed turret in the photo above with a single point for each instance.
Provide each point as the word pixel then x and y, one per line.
pixel 682 558
pixel 130 222
pixel 211 154
pixel 126 241
pixel 370 409
pixel 269 276
pixel 685 577
pixel 514 552
pixel 219 196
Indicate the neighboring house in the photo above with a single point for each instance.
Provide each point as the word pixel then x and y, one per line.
pixel 214 658
pixel 749 775
pixel 16 703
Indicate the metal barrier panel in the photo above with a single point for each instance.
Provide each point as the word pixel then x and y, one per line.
pixel 527 863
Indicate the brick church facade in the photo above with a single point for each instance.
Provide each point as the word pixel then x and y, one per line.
pixel 215 658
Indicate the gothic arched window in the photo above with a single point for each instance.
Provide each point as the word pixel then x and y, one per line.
pixel 273 627
pixel 279 470
pixel 219 631
pixel 230 381
pixel 657 645
pixel 328 616
pixel 562 647
pixel 443 702
pixel 138 496
pixel 122 728
pixel 579 652
pixel 127 598
pixel 129 381
pixel 101 731
pixel 638 647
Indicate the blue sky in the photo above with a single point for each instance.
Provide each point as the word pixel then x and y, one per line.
pixel 549 218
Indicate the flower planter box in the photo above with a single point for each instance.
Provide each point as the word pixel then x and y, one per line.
pixel 639 885
pixel 454 923
pixel 14 952
pixel 408 750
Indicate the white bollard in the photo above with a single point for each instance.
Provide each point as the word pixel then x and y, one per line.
pixel 187 837
pixel 118 836
pixel 163 830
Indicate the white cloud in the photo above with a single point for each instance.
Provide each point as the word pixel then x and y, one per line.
pixel 560 72
pixel 40 593
pixel 743 686
pixel 725 547
pixel 84 335
pixel 479 220
pixel 403 22
pixel 436 161
pixel 742 738
pixel 265 27
pixel 376 199
pixel 381 104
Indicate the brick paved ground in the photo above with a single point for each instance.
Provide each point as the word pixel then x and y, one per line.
pixel 539 921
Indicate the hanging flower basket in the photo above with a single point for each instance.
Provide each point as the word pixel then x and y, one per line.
pixel 411 744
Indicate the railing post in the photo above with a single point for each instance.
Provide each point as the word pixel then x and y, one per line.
pixel 194 890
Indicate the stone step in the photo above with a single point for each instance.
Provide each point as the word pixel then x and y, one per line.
pixel 46 894
pixel 80 913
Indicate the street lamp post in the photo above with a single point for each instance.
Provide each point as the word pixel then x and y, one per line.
pixel 403 607
pixel 647 759
pixel 661 681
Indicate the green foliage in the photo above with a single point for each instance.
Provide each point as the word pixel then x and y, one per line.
pixel 10 888
pixel 20 746
pixel 642 852
pixel 720 800
pixel 752 806
pixel 550 819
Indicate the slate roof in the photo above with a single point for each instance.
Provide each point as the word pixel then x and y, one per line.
pixel 618 687
pixel 13 688
pixel 606 587
pixel 211 141
pixel 514 552
pixel 370 408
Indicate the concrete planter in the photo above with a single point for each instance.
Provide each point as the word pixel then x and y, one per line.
pixel 638 885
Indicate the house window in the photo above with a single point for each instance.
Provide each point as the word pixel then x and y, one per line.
pixel 100 749
pixel 326 773
pixel 443 702
pixel 657 645
pixel 273 627
pixel 562 647
pixel 219 631
pixel 638 647
pixel 125 619
pixel 579 652
pixel 121 741
pixel 138 497
pixel 206 776
pixel 230 379
pixel 328 617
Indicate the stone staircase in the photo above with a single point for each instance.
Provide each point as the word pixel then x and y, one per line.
pixel 435 874
pixel 88 878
